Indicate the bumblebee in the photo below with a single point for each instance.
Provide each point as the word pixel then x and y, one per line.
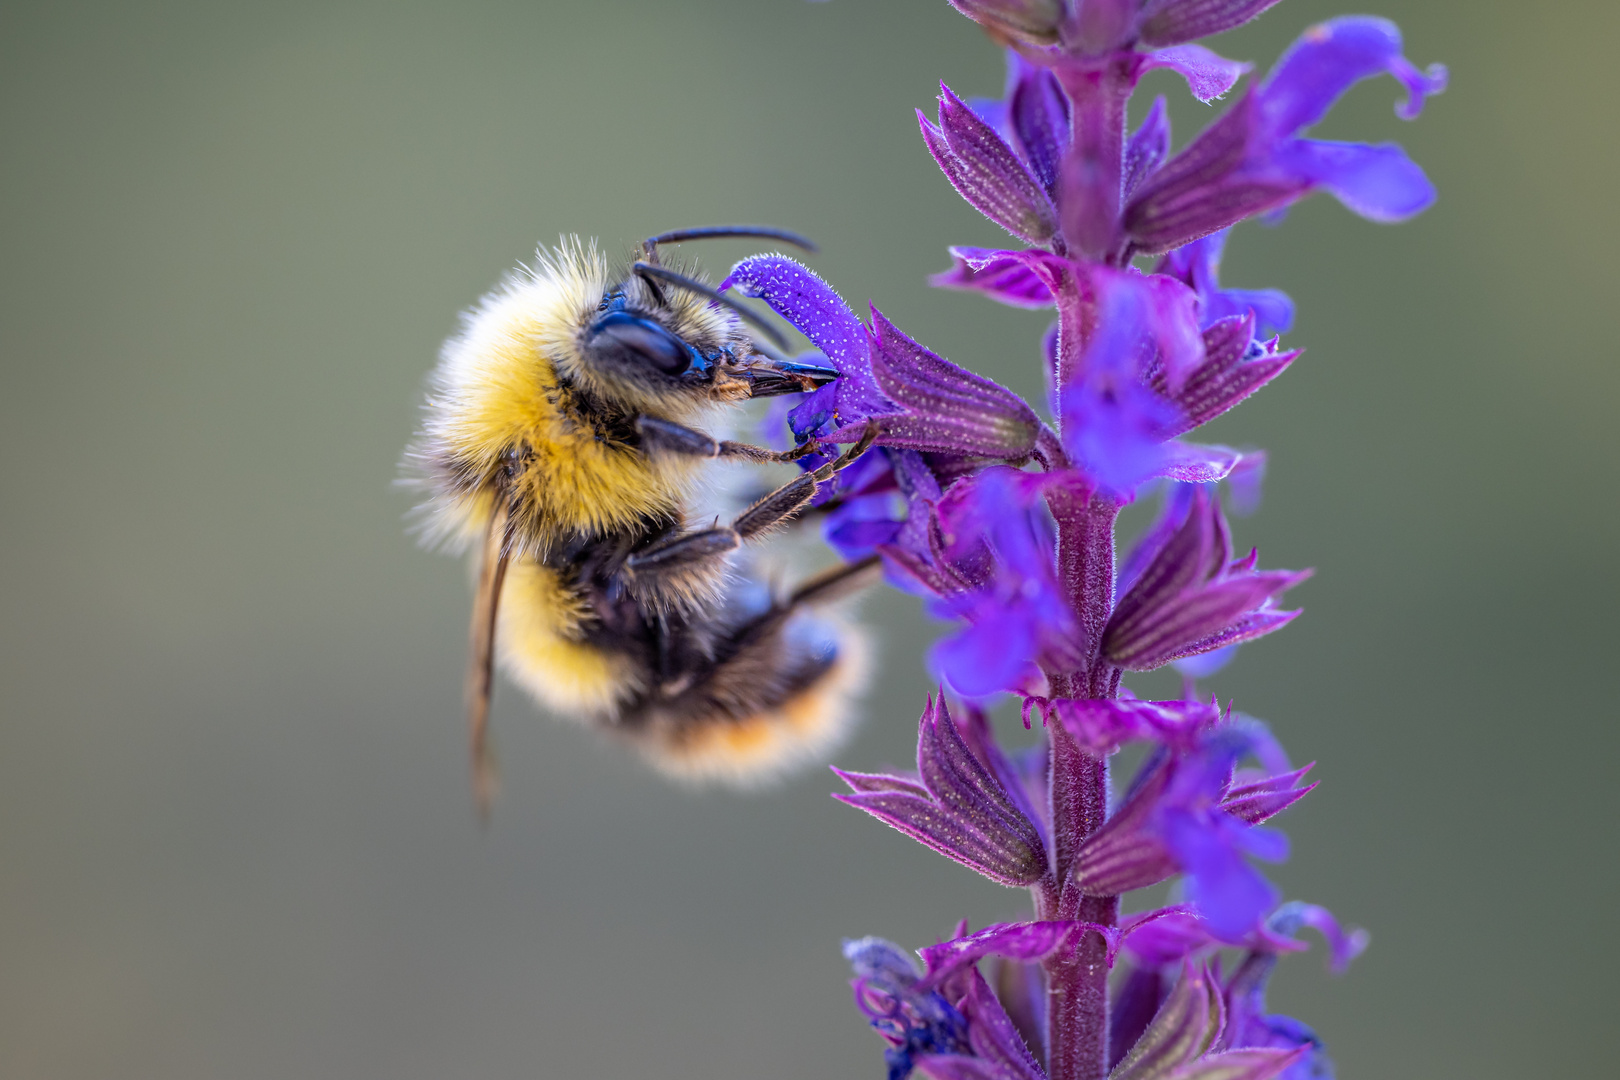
pixel 562 440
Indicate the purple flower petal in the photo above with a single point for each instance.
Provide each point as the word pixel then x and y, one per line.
pixel 1343 946
pixel 811 306
pixel 1208 75
pixel 1380 183
pixel 1331 57
pixel 1020 941
pixel 1251 161
pixel 988 656
pixel 1038 116
pixel 1193 464
pixel 1227 891
pixel 1198 265
pixel 1001 275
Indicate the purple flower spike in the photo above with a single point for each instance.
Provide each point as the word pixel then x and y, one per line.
pixel 1169 22
pixel 1193 598
pixel 985 171
pixel 947 408
pixel 957 807
pixel 1251 160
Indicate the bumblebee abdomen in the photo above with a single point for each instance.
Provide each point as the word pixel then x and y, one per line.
pixel 543 649
pixel 754 718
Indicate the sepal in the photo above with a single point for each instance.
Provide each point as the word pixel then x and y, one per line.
pixel 1193 597
pixel 1186 1025
pixel 946 408
pixel 1032 21
pixel 1235 366
pixel 957 807
pixel 985 171
pixel 1241 1065
pixel 1169 22
pixel 999 1052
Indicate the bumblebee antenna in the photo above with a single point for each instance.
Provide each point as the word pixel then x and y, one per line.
pixel 653 274
pixel 649 246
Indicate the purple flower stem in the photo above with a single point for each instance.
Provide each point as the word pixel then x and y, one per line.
pixel 1077 981
pixel 1094 172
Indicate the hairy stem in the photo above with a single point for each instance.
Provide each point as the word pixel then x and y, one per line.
pixel 1093 169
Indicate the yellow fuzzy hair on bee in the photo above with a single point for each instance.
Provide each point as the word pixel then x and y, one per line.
pixel 559 434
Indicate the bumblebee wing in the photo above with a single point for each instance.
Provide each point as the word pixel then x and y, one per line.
pixel 481 655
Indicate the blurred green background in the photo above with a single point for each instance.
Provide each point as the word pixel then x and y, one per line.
pixel 236 837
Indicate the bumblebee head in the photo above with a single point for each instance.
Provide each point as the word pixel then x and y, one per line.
pixel 661 340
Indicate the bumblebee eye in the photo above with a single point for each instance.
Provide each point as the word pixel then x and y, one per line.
pixel 623 339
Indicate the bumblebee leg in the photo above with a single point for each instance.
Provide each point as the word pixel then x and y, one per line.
pixel 772 510
pixel 662 436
